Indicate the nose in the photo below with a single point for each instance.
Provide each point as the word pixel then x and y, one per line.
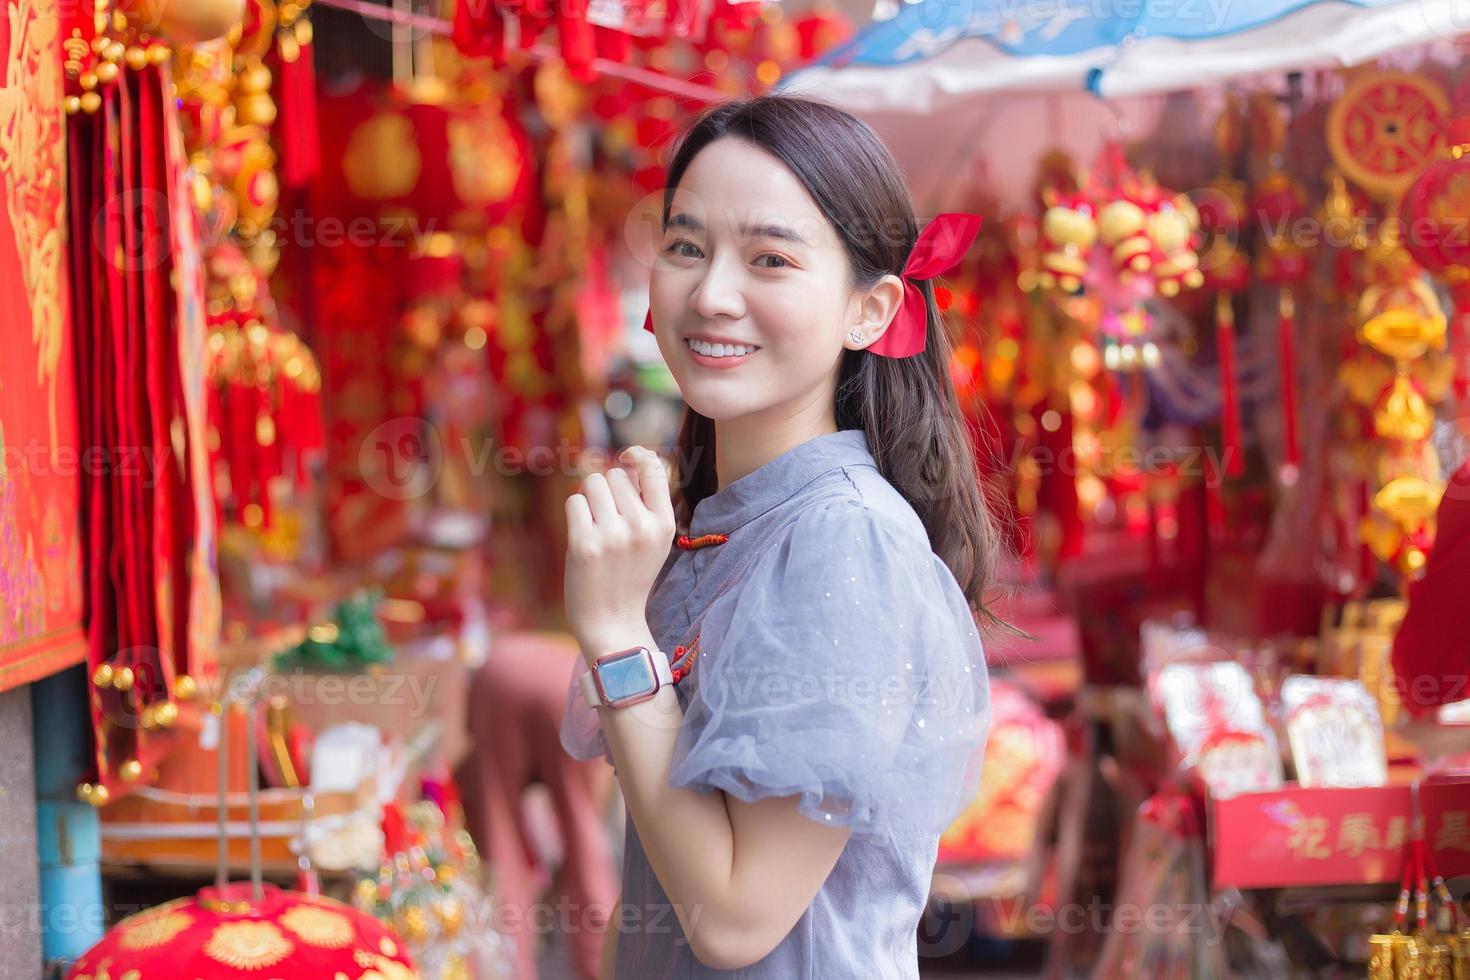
pixel 719 291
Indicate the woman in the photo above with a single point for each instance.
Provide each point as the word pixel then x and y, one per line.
pixel 787 792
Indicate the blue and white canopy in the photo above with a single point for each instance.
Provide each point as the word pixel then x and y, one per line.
pixel 933 52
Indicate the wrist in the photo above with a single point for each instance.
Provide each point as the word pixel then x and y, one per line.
pixel 603 639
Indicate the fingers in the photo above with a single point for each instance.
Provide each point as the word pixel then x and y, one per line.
pixel 624 493
pixel 653 481
pixel 600 499
pixel 579 517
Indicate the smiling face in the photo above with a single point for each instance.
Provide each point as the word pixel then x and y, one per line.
pixel 751 291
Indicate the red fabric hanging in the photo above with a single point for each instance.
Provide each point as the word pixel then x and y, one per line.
pixel 145 550
pixel 1286 336
pixel 296 120
pixel 1229 402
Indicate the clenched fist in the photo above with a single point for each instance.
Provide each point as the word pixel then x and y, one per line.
pixel 619 529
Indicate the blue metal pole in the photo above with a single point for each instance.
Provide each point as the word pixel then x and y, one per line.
pixel 67 831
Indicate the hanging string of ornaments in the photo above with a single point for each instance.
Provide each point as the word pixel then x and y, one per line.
pixel 1390 133
pixel 1122 239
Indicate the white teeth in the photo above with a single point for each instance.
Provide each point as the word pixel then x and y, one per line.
pixel 719 350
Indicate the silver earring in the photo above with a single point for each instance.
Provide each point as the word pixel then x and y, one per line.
pixel 855 335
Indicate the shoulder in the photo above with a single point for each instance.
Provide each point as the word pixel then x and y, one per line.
pixel 855 507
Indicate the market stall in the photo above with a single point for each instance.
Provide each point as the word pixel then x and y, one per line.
pixel 320 310
pixel 1221 343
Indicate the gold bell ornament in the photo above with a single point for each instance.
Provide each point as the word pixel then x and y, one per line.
pixel 1425 952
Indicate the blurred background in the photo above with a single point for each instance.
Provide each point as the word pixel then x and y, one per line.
pixel 316 310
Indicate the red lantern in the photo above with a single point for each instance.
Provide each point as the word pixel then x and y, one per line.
pixel 1433 214
pixel 1278 202
pixel 225 934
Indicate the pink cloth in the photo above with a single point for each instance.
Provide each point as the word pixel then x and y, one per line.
pixel 515 706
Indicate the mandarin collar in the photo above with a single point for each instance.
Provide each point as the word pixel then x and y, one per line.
pixel 778 480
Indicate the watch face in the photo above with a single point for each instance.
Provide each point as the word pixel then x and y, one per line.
pixel 627 675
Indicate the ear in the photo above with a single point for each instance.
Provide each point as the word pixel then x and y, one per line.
pixel 876 307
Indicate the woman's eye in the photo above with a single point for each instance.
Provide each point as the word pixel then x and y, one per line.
pixel 777 261
pixel 683 248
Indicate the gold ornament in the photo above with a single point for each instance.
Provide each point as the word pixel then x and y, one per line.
pixel 153 928
pixel 1385 128
pixel 165 714
pixel 248 945
pixel 382 160
pixel 318 926
pixel 1403 415
pixel 1409 500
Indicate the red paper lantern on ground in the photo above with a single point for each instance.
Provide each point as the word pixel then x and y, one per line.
pixel 223 934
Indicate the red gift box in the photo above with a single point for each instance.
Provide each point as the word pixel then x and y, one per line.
pixel 1326 836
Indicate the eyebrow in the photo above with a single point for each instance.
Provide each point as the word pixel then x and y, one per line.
pixel 683 219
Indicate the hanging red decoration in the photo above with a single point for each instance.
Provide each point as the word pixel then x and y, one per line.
pixel 416 166
pixel 1229 399
pixel 152 603
pixel 1434 211
pixel 1278 203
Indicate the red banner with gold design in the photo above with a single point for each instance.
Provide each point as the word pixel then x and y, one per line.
pixel 40 569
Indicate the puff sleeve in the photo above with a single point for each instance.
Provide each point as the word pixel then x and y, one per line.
pixel 846 669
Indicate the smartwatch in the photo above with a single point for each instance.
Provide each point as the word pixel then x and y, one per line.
pixel 626 677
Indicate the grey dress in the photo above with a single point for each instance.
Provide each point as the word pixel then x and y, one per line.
pixel 838 662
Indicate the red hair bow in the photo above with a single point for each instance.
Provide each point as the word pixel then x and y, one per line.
pixel 941 245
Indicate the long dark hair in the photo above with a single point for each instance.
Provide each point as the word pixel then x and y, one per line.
pixel 906 406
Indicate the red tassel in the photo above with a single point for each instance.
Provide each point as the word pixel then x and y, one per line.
pixel 683 661
pixel 575 35
pixel 685 543
pixel 297 128
pixel 1229 402
pixel 1155 562
pixel 1368 562
pixel 1292 453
